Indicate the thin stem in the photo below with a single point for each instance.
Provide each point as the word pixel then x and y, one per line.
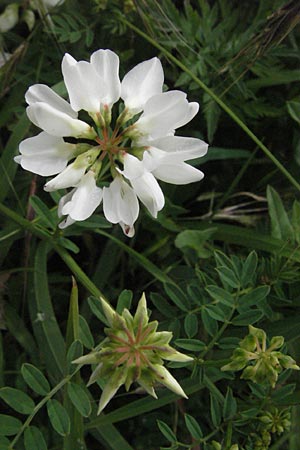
pixel 235 181
pixel 63 253
pixel 218 100
pixel 41 404
pixel 78 272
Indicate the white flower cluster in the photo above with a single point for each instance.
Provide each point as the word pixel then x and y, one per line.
pixel 138 150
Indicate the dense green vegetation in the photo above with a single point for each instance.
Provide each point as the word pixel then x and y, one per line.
pixel 219 266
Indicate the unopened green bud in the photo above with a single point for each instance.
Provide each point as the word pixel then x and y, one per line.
pixel 236 364
pixel 288 362
pixel 276 342
pixel 248 343
pixel 216 445
pixel 249 373
pixel 133 351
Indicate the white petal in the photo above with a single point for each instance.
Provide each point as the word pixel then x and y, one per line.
pixel 127 230
pixel 56 122
pixel 63 200
pixel 141 83
pixel 106 64
pixel 128 205
pixel 111 387
pixel 66 223
pixel 133 167
pixel 178 173
pixel 163 113
pixel 85 199
pixel 149 192
pixel 120 204
pixel 45 154
pixel 183 148
pixel 192 110
pixel 110 208
pixel 42 93
pixel 165 378
pixel 69 177
pixel 84 85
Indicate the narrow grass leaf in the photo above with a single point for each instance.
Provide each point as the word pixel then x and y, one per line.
pixel 142 260
pixel 72 333
pixel 280 223
pixel 48 218
pixel 293 107
pixel 43 317
pixel 8 167
pixel 20 331
pixel 111 436
pixel 233 234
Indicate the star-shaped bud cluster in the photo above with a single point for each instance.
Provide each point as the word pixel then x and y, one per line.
pixel 133 351
pixel 260 363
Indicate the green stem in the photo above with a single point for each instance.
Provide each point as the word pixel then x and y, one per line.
pixel 218 100
pixel 77 271
pixel 63 253
pixel 41 404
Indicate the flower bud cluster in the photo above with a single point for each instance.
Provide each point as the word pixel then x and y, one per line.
pixel 260 363
pixel 276 421
pixel 133 351
pixel 262 441
pixel 217 446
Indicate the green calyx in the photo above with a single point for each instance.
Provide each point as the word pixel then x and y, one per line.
pixel 133 351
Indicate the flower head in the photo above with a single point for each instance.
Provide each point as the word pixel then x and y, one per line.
pixel 260 363
pixel 125 157
pixel 133 351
